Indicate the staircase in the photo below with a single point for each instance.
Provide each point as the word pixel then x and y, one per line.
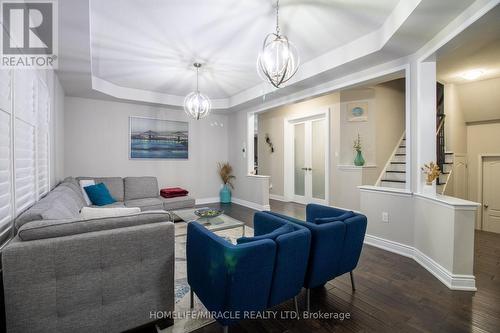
pixel 394 174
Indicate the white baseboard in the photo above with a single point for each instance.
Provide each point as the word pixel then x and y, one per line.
pixel 204 201
pixel 277 197
pixel 391 246
pixel 250 204
pixel 452 281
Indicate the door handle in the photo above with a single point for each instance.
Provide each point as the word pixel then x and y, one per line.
pixel 305 169
pixel 309 169
pixel 486 206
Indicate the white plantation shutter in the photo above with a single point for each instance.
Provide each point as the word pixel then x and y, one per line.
pixel 43 140
pixel 6 213
pixel 5 84
pixel 5 170
pixel 24 144
pixel 25 85
pixel 25 165
pixel 25 120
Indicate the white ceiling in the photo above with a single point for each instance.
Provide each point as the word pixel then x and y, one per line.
pixel 152 44
pixel 143 53
pixel 477 47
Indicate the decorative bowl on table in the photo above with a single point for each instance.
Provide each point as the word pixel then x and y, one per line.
pixel 208 213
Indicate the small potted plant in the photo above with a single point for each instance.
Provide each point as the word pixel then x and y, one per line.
pixel 359 160
pixel 432 173
pixel 226 175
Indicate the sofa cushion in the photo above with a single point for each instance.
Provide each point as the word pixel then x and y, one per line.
pixel 140 188
pixel 117 204
pixel 71 183
pixel 114 185
pixel 272 235
pixel 145 204
pixel 177 203
pixel 94 213
pixel 99 194
pixel 60 203
pixel 60 228
pixel 83 184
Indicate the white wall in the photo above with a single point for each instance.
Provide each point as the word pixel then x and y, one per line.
pixel 96 136
pixel 398 206
pixel 436 231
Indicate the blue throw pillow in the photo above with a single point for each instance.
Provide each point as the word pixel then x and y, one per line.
pixel 343 217
pixel 272 235
pixel 99 194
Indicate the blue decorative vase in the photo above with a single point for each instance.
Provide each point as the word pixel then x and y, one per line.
pixel 225 194
pixel 359 160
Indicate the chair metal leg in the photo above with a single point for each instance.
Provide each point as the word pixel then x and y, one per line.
pixel 191 299
pixel 296 303
pixel 225 329
pixel 308 300
pixel 352 281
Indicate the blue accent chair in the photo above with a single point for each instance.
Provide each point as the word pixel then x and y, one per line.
pixel 335 246
pixel 252 276
pixel 292 254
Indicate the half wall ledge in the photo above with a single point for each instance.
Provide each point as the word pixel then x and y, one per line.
pixel 436 231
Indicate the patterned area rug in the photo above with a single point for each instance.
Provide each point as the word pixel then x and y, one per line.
pixel 185 325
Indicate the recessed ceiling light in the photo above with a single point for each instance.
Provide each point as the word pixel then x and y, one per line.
pixel 472 74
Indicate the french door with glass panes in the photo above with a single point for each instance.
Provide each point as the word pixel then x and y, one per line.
pixel 310 160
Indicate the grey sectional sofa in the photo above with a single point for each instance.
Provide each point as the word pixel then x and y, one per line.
pixel 62 273
pixel 142 192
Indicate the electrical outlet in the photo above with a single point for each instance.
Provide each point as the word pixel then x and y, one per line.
pixel 385 217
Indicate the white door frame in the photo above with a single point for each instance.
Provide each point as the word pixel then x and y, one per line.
pixel 480 186
pixel 288 172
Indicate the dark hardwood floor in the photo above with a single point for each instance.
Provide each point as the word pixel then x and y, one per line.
pixel 393 293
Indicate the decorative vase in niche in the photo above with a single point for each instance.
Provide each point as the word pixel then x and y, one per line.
pixel 359 160
pixel 225 194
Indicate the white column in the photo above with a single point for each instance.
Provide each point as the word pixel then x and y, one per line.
pixel 423 139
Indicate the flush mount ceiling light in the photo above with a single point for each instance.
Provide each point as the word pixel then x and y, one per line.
pixel 472 74
pixel 196 104
pixel 278 60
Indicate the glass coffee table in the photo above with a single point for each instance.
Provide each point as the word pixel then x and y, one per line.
pixel 221 222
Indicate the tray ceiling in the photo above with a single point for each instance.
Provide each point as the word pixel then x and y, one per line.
pixel 151 45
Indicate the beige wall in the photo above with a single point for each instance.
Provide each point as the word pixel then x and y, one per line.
pixel 272 123
pixel 390 124
pixel 480 100
pixel 481 139
pixel 380 134
pixel 455 127
pixel 249 188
